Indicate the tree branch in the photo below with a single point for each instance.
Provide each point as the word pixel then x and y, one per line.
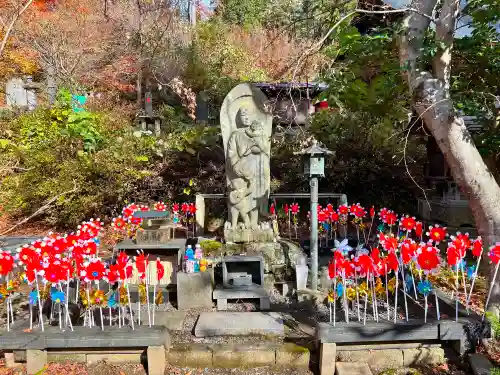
pixel 412 41
pixel 12 24
pixel 444 38
pixel 39 211
pixel 316 46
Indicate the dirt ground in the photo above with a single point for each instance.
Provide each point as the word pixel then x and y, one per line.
pixel 109 369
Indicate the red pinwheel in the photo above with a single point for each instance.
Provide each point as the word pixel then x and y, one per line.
pixel 90 248
pixel 6 263
pixel 111 275
pixel 129 210
pixel 372 212
pixel 452 255
pixel 418 228
pixel 477 247
pixel 118 223
pixel 295 208
pixel 160 206
pixel 192 209
pixel 143 208
pixel 185 208
pixel 343 210
pixel 53 272
pixel 322 216
pixel 272 209
pixel 408 223
pixel 365 264
pixel 94 270
pixel 28 256
pixel 333 216
pixel 392 262
pixel 436 233
pixel 357 210
pixel 175 208
pixel 428 258
pixel 461 242
pixel 286 209
pixel 408 250
pixel 494 253
pixel 160 270
pixel 141 263
pixel 390 243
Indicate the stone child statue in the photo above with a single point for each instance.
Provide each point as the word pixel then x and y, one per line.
pixel 248 152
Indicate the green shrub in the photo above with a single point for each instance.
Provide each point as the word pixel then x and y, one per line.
pixel 55 150
pixel 494 321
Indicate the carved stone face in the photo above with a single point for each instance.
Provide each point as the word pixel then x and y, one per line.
pixel 246 117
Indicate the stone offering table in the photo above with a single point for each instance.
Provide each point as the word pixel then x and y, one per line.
pixel 88 345
pixel 238 324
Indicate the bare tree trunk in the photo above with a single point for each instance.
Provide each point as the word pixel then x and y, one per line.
pixel 431 100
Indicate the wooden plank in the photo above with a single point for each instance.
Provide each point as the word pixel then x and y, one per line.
pixel 354 332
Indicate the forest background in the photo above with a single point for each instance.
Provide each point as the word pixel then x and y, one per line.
pixel 59 167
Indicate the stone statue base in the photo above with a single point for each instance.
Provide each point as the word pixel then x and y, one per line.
pixel 243 235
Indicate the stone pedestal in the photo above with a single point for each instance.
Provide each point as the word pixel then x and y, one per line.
pixel 194 290
pixel 242 235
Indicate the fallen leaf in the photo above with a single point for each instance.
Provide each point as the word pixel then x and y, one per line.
pixel 122 373
pixel 27 330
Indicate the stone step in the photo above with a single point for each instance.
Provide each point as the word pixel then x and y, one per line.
pixel 352 368
pixel 480 364
pixel 222 323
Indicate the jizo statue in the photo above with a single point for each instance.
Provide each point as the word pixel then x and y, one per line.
pixel 246 129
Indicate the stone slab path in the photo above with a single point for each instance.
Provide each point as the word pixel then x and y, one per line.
pixel 222 323
pixel 351 368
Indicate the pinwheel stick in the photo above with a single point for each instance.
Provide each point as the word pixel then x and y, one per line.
pixel 39 302
pixel 374 294
pixel 154 302
pixel 437 306
pixel 7 307
pixel 425 308
pixel 456 300
pixel 491 289
pixel 366 300
pixel 147 296
pixel 387 293
pixel 346 306
pixel 129 306
pixel 334 291
pixel 357 293
pixel 68 317
pixel 474 279
pixel 396 296
pixel 404 289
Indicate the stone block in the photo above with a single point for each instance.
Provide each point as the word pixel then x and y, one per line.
pixel 378 360
pixel 35 361
pixel 238 324
pixel 194 290
pixel 480 364
pixel 10 361
pixel 244 357
pixel 423 356
pixel 221 304
pixel 63 357
pixel 196 356
pixel 350 368
pixel 291 355
pixel 172 320
pixel 114 357
pixel 265 303
pixel 327 358
pixel 156 360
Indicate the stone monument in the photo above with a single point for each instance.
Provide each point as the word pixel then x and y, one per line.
pixel 246 123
